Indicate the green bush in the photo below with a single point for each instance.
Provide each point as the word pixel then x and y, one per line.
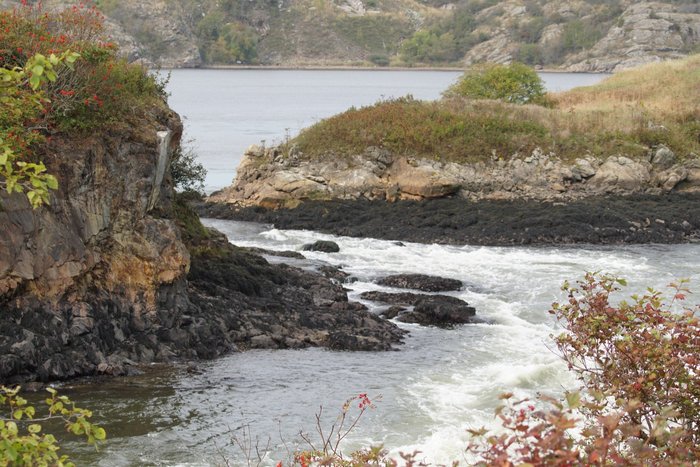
pixel 59 73
pixel 516 84
pixel 188 174
pixel 23 440
pixel 428 47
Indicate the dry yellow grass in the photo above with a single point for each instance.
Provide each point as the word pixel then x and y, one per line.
pixel 627 114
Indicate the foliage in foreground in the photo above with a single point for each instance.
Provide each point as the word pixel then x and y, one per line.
pixel 23 440
pixel 59 73
pixel 638 363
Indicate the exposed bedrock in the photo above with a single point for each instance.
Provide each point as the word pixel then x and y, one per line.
pixel 270 179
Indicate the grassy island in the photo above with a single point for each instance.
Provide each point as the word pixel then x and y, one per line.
pixel 626 114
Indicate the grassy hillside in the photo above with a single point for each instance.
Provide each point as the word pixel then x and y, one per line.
pixel 582 34
pixel 626 114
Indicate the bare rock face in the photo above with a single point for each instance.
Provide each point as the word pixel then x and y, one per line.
pixel 620 174
pixel 270 179
pixel 646 32
pixel 96 217
pixel 79 277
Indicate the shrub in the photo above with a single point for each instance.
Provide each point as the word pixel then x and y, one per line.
pixel 187 173
pixel 46 88
pixel 640 404
pixel 22 438
pixel 515 84
pixel 22 108
pixel 428 47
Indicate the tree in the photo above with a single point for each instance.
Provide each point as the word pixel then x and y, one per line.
pixel 515 83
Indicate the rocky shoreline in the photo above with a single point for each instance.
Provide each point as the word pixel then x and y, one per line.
pixel 671 218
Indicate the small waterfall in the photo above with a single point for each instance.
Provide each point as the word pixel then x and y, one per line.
pixel 162 163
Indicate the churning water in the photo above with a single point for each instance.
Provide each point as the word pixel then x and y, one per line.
pixel 438 384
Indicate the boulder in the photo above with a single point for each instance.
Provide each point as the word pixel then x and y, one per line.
pixel 421 282
pixel 620 174
pixel 428 310
pixel 663 158
pixel 322 245
pixel 439 310
pixel 400 299
pixel 582 169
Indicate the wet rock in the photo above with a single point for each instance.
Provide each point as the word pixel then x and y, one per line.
pixel 281 254
pixel 392 312
pixel 322 245
pixel 336 274
pixel 427 310
pixel 439 310
pixel 494 222
pixel 421 282
pixel 401 299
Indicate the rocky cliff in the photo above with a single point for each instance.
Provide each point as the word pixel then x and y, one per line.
pixel 577 35
pixel 101 279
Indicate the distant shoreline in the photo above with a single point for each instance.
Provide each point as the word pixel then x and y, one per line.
pixel 357 68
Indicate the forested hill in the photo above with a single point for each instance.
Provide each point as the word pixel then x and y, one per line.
pixel 580 35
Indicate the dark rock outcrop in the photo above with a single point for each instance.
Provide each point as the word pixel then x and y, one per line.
pixel 324 246
pixel 116 271
pixel 672 218
pixel 421 282
pixel 427 310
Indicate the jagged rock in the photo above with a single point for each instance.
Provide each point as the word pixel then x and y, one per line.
pixel 336 274
pixel 582 169
pixel 620 174
pixel 428 310
pixel 421 282
pixel 325 246
pixel 439 310
pixel 281 254
pixel 646 32
pixel 663 158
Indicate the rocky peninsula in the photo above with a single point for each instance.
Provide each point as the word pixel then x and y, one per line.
pixel 600 165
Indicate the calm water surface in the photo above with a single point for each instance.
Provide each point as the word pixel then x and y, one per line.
pixel 439 383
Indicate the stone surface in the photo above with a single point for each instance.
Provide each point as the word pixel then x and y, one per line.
pixel 322 245
pixel 597 220
pixel 271 180
pixel 427 310
pixel 646 32
pixel 421 282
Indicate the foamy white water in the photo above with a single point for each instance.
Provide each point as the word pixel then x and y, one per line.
pixel 437 385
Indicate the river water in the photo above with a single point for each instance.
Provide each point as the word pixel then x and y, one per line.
pixel 437 385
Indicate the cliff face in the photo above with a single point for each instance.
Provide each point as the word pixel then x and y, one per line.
pixel 97 263
pixel 577 35
pixel 101 280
